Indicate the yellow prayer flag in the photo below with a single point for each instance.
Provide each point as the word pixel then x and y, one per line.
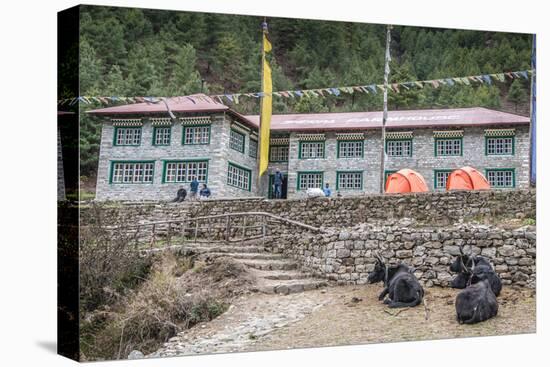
pixel 265 116
pixel 267 44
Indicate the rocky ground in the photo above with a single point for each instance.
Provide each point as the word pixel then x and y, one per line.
pixel 344 315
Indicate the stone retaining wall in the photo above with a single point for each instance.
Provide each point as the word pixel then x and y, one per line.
pixel 347 256
pixel 432 208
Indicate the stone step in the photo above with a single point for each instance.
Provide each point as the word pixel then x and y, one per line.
pixel 281 274
pixel 247 256
pixel 226 249
pixel 290 286
pixel 270 264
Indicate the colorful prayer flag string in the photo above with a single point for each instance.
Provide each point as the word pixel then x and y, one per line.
pixel 234 98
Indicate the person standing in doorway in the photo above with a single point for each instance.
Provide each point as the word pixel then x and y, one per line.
pixel 278 184
pixel 194 188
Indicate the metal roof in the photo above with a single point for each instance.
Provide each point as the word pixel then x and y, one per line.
pixel 477 116
pixel 439 118
pixel 182 104
pixel 176 104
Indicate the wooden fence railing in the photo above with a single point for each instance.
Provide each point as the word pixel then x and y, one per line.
pixel 228 227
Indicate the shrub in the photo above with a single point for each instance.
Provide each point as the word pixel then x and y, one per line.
pixel 108 267
pixel 178 294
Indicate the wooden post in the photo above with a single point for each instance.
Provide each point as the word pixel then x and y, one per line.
pixel 183 230
pixel 227 228
pixel 196 229
pixel 385 113
pixel 153 237
pixel 169 235
pixel 136 244
pixel 263 230
pixel 244 227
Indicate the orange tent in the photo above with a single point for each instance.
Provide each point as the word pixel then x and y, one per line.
pixel 467 178
pixel 405 180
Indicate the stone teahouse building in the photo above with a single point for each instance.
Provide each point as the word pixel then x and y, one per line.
pixel 145 155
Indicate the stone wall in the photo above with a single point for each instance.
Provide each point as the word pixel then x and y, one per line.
pixel 436 208
pixel 422 230
pixel 346 256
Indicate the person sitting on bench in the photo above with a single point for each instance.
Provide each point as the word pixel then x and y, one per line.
pixel 204 193
pixel 180 196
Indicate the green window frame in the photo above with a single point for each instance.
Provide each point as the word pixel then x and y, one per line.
pixel 236 140
pixel 387 174
pixel 437 180
pixel 195 135
pixel 312 149
pixel 239 176
pixel 356 184
pixel 253 148
pixel 306 178
pixel 132 172
pixel 345 149
pixel 402 146
pixel 448 147
pixel 498 177
pixel 165 139
pixel 494 143
pixel 278 153
pixel 127 136
pixel 181 171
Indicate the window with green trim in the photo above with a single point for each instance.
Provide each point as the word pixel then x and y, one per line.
pixel 278 153
pixel 236 141
pixel 387 174
pixel 448 147
pixel 440 179
pixel 501 178
pixel 127 136
pixel 161 135
pixel 194 135
pixel 350 149
pixel 499 145
pixel 312 149
pixel 184 171
pixel 253 149
pixel 238 176
pixel 399 148
pixel 309 180
pixel 132 172
pixel 349 180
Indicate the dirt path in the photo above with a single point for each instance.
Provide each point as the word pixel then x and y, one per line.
pixel 330 317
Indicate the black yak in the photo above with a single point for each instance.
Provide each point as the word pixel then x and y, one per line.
pixel 476 303
pixel 486 272
pixel 400 285
pixel 467 266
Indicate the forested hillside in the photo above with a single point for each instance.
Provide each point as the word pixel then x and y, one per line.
pixel 135 52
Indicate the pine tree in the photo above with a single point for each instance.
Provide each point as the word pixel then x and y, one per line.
pixel 517 94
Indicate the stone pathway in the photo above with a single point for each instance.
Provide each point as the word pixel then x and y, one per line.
pixel 246 322
pixel 342 316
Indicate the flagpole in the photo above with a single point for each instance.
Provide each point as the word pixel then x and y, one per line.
pixel 385 112
pixel 259 177
pixel 533 118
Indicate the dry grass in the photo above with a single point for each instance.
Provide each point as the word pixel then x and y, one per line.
pixel 343 322
pixel 178 294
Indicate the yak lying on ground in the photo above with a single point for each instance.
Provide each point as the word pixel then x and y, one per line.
pixel 470 268
pixel 462 265
pixel 400 285
pixel 476 303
